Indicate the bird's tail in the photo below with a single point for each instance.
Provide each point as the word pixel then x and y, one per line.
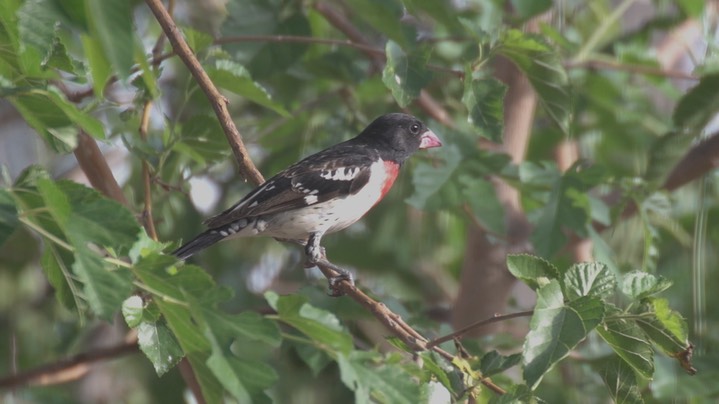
pixel 198 243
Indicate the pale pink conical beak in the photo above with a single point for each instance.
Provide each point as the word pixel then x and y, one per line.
pixel 429 140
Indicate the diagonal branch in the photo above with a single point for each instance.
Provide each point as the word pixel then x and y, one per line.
pixel 67 368
pixel 217 100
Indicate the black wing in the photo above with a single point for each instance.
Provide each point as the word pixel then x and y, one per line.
pixel 336 172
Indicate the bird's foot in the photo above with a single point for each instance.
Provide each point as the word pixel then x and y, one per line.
pixel 333 282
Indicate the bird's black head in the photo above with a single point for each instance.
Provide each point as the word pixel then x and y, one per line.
pixel 398 135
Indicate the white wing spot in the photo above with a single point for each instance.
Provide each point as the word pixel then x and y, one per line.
pixel 340 174
pixel 224 233
pixel 310 199
pixel 253 204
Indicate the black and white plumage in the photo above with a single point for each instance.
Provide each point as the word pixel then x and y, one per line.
pixel 323 193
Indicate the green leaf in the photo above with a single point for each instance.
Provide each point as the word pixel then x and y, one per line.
pixel 534 271
pixel 428 179
pixel 38 21
pixel 568 206
pixel 543 67
pixel 482 198
pixel 386 383
pixel 277 57
pixel 320 325
pixel 664 326
pixel 132 309
pixel 87 218
pixel 159 345
pixel 620 379
pixel 111 22
pixel 484 99
pixel 246 325
pixel 493 362
pixel 698 105
pixel 628 340
pixel 8 215
pixel 386 16
pixel 234 77
pixel 588 279
pixel 57 264
pixel 556 328
pixel 405 75
pixel 98 65
pixel 639 285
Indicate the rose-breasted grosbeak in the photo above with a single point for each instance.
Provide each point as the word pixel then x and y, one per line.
pixel 324 193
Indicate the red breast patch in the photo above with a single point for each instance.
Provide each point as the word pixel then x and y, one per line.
pixel 392 170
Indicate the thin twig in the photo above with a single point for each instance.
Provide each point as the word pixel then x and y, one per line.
pixel 463 330
pixel 147 220
pixel 67 369
pixel 217 100
pixel 394 322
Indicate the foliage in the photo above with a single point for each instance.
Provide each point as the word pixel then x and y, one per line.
pixel 87 67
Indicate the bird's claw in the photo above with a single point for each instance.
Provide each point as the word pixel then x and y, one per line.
pixel 334 282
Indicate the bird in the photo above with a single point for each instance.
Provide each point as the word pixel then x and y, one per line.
pixel 323 193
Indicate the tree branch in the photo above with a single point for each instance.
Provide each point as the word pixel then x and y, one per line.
pixel 68 368
pixel 494 319
pixel 218 101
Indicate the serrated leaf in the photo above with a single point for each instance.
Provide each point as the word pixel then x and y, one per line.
pixel 111 23
pixel 698 105
pixel 484 99
pixel 620 379
pixel 556 328
pixel 159 345
pixel 8 215
pixel 493 362
pixel 668 330
pixel 588 279
pixel 639 285
pixel 387 383
pixel 543 67
pixel 536 272
pixel 405 75
pixel 38 21
pixel 628 340
pixel 234 77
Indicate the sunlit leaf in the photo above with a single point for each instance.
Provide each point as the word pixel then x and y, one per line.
pixel 638 284
pixel 536 272
pixel 556 328
pixel 589 279
pixel 159 345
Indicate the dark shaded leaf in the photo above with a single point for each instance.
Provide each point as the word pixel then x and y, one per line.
pixel 484 99
pixel 111 23
pixel 493 362
pixel 405 75
pixel 620 379
pixel 698 105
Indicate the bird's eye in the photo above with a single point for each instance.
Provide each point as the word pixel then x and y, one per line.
pixel 414 129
